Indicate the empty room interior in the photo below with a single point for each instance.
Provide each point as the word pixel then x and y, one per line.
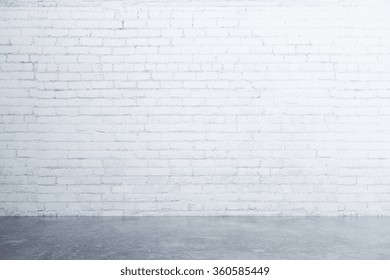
pixel 185 129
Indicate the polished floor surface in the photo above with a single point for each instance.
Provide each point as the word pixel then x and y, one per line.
pixel 195 238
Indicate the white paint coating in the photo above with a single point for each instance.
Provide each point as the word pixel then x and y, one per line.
pixel 118 108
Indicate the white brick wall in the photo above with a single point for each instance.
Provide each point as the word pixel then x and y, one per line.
pixel 191 108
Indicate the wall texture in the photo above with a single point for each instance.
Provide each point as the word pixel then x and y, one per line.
pixel 191 108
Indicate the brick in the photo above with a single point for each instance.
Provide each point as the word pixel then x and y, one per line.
pixel 220 110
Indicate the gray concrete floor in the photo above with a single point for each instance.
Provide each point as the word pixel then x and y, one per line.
pixel 195 238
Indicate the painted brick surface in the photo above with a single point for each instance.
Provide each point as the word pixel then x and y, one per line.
pixel 194 108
